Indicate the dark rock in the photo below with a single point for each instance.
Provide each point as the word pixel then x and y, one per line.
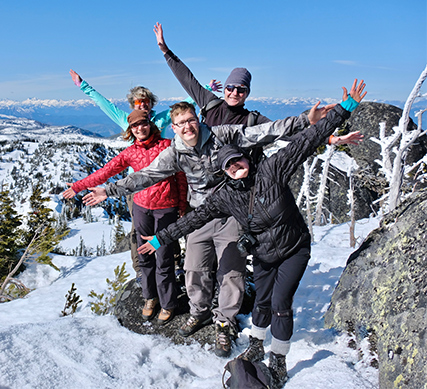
pixel 369 183
pixel 366 118
pixel 383 291
pixel 129 310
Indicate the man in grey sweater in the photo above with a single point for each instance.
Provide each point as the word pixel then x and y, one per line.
pixel 194 151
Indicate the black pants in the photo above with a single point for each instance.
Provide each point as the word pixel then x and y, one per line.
pixel 158 269
pixel 275 286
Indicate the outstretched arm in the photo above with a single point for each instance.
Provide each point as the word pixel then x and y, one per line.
pixel 284 163
pixel 117 115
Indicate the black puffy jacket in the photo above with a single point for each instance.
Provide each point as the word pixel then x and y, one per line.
pixel 277 223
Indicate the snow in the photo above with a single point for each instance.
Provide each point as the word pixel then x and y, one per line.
pixel 40 349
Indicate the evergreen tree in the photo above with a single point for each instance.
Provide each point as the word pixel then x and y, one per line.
pixel 40 215
pixel 118 233
pixel 10 234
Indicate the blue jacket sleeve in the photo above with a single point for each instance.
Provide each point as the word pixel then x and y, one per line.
pixel 112 111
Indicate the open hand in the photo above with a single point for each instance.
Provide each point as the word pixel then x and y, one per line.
pixel 317 113
pixel 215 85
pixel 96 195
pixel 68 193
pixel 158 30
pixel 353 138
pixel 146 247
pixel 76 78
pixel 356 91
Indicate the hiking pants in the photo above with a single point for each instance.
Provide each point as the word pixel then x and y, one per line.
pixel 158 269
pixel 213 248
pixel 275 287
pixel 133 242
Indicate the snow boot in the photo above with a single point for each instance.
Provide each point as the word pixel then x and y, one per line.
pixel 279 373
pixel 254 352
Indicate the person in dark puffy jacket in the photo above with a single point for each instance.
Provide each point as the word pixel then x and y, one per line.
pixel 275 232
pixel 153 209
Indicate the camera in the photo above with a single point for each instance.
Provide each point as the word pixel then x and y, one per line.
pixel 245 243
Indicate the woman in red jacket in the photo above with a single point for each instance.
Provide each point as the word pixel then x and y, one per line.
pixel 154 209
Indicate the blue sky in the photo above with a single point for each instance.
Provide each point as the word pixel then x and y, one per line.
pixel 293 49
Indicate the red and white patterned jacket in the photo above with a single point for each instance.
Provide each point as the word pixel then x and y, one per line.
pixel 171 192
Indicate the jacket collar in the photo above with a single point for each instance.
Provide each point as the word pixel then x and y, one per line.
pixel 148 143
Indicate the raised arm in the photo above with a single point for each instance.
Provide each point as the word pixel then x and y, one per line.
pixel 194 89
pixel 117 115
pixel 284 163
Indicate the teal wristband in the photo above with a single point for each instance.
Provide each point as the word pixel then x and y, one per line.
pixel 155 242
pixel 350 104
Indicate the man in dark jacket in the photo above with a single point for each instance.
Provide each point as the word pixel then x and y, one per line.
pixel 275 233
pixel 231 109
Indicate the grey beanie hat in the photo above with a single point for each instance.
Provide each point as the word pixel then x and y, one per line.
pixel 239 76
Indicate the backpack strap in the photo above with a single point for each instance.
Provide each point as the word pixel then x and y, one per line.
pixel 253 118
pixel 211 104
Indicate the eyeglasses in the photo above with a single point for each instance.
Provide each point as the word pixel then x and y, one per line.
pixel 231 162
pixel 240 89
pixel 145 101
pixel 140 123
pixel 184 122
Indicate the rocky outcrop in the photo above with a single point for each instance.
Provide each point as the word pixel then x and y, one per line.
pixel 383 291
pixel 128 311
pixel 369 184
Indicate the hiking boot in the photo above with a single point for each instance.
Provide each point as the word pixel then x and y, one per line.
pixel 279 373
pixel 194 324
pixel 149 310
pixel 254 352
pixel 222 340
pixel 165 316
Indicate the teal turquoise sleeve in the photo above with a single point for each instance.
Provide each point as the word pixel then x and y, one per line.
pixel 155 242
pixel 117 115
pixel 350 104
pixel 162 120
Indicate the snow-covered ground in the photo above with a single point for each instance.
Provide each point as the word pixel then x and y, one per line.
pixel 40 349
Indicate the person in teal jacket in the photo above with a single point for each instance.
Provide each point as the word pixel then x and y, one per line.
pixel 139 97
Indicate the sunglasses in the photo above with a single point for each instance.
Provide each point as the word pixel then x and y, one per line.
pixel 240 89
pixel 140 123
pixel 145 101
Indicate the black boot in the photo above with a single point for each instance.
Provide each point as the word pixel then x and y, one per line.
pixel 254 352
pixel 278 370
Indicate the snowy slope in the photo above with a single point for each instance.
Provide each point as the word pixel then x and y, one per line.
pixel 40 349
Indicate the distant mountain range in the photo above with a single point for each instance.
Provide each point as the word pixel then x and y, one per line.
pixel 87 116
